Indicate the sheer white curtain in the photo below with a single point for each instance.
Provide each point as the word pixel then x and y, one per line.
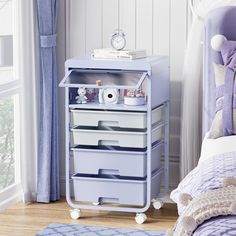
pixel 27 72
pixel 191 98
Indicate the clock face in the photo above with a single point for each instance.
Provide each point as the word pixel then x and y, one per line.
pixel 118 41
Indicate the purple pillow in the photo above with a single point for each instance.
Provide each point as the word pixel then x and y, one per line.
pixel 224 122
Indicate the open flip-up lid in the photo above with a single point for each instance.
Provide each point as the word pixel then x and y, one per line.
pixel 109 79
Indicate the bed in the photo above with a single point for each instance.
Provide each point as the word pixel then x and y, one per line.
pixel 218 156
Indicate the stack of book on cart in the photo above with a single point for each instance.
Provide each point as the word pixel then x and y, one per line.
pixel 109 53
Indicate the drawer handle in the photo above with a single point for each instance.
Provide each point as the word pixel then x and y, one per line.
pixel 108 172
pixel 108 123
pixel 108 142
pixel 108 200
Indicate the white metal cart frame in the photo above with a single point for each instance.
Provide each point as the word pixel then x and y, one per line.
pixel 140 217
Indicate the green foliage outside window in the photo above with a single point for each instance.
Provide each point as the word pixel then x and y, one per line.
pixel 7 161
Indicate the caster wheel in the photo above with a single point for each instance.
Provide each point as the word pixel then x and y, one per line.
pixel 96 203
pixel 140 218
pixel 75 214
pixel 157 204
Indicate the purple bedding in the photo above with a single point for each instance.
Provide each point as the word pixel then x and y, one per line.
pixel 208 175
pixel 219 226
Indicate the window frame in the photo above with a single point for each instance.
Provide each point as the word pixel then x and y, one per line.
pixel 13 193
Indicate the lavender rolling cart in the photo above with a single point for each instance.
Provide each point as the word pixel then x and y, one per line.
pixel 113 150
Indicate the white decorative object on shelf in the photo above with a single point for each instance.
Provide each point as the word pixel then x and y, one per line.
pixel 81 98
pixel 134 98
pixel 109 96
pixel 134 101
pixel 118 40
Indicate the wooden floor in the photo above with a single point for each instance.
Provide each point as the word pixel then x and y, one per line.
pixel 26 220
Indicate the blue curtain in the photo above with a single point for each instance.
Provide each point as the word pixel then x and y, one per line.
pixel 48 188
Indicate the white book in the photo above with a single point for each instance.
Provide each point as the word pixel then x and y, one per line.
pixel 108 53
pixel 125 57
pixel 127 52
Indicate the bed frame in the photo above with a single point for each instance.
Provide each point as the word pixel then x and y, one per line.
pixel 219 21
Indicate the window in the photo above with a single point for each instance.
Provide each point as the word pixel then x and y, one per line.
pixel 7 154
pixel 9 106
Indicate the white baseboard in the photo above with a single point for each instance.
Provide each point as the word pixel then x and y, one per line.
pixel 17 197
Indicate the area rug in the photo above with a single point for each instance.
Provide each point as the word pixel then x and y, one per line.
pixel 80 230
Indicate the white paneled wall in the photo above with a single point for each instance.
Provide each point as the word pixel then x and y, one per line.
pixel 159 26
pixel 145 22
pixel 6 13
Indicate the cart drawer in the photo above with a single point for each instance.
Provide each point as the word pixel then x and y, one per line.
pixel 114 190
pixel 114 118
pixel 85 136
pixel 115 162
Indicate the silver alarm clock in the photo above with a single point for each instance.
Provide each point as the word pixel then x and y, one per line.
pixel 118 40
